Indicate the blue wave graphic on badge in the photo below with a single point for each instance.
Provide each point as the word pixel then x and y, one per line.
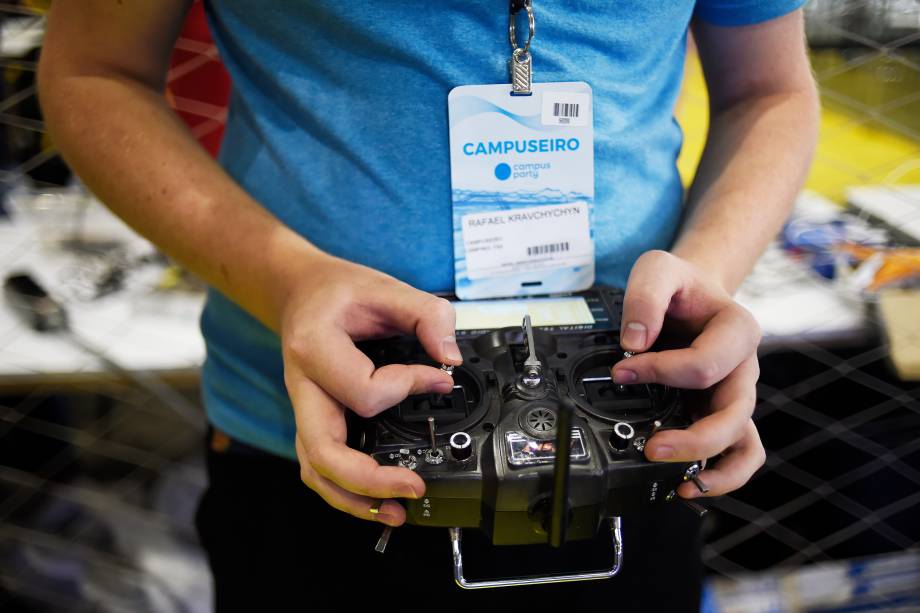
pixel 469 106
pixel 513 199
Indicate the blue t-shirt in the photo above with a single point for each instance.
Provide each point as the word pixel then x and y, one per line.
pixel 338 126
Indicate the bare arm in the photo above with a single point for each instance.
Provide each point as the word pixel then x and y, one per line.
pixel 763 128
pixel 101 84
pixel 763 122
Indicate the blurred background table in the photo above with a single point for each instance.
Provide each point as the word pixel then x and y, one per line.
pixel 140 328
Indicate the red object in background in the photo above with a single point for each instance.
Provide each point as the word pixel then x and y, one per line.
pixel 197 86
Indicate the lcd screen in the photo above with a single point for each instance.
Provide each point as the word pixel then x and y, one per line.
pixel 495 314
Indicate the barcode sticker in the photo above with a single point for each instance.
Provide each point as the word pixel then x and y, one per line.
pixel 565 109
pixel 551 248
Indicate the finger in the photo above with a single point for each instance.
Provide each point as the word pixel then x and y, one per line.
pixel 733 470
pixel 436 330
pixel 726 340
pixel 430 318
pixel 357 472
pixel 653 280
pixel 390 512
pixel 350 377
pixel 321 431
pixel 733 405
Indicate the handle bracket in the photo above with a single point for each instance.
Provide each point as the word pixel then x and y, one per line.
pixel 616 534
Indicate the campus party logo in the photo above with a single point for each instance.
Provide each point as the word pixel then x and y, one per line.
pixel 532 145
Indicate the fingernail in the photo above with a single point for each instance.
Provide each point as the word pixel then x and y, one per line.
pixel 662 453
pixel 634 336
pixel 442 387
pixel 406 491
pixel 450 350
pixel 622 375
pixel 389 520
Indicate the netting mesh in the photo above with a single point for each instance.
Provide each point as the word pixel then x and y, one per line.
pixel 842 477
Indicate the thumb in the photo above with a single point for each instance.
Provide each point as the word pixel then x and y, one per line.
pixel 436 330
pixel 432 319
pixel 653 281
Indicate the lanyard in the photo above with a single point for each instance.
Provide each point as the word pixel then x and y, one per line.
pixel 521 62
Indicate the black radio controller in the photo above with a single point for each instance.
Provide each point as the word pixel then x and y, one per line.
pixel 488 451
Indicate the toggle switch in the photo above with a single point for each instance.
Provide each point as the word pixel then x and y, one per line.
pixel 693 474
pixel 433 455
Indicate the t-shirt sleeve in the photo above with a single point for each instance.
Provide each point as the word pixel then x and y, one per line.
pixel 743 12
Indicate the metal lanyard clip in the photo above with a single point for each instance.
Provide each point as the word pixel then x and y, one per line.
pixel 521 62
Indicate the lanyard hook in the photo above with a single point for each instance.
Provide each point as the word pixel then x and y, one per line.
pixel 514 8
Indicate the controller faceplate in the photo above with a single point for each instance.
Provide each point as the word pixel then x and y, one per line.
pixel 504 486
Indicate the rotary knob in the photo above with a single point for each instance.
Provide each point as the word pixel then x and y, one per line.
pixel 621 436
pixel 461 446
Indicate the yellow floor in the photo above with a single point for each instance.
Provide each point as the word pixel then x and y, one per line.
pixel 853 148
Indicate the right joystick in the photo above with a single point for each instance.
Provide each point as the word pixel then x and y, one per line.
pixel 621 436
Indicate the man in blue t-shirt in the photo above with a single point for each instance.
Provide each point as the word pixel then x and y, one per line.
pixel 328 220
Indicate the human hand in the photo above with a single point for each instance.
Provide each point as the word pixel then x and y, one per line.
pixel 722 358
pixel 324 373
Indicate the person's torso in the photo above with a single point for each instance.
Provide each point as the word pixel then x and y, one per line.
pixel 338 125
pixel 338 122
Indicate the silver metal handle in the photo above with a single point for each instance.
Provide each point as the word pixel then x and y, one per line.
pixel 615 532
